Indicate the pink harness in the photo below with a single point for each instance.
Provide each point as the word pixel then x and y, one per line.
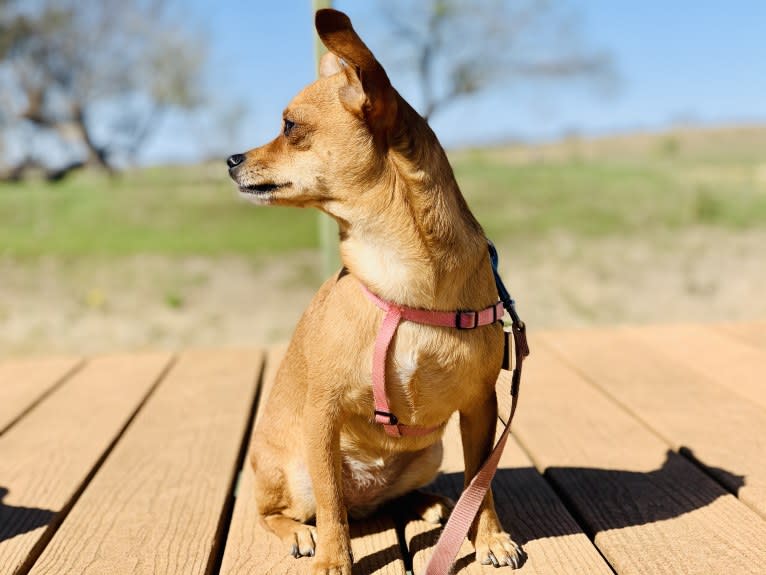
pixel 395 314
pixel 470 501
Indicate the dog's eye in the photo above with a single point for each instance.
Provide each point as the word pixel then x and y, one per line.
pixel 288 127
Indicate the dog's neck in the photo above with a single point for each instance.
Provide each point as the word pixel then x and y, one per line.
pixel 420 246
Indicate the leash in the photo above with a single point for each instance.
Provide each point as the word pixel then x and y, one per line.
pixel 462 516
pixel 468 505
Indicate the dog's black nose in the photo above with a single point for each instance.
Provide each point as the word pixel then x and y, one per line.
pixel 235 160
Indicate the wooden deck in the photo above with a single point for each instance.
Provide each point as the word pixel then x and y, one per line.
pixel 635 450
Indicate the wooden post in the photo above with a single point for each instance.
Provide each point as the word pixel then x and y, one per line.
pixel 328 229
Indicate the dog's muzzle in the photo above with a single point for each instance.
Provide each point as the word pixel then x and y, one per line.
pixel 235 160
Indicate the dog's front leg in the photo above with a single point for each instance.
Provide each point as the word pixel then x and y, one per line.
pixel 322 441
pixel 493 545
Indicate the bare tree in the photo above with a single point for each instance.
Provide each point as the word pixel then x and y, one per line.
pixel 96 74
pixel 458 48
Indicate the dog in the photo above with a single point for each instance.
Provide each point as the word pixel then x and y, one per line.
pixel 352 147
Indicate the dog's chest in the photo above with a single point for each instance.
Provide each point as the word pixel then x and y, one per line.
pixel 405 365
pixel 368 479
pixel 382 265
pixel 365 476
pixel 428 370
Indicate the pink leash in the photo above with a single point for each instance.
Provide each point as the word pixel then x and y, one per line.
pixel 470 501
pixel 462 516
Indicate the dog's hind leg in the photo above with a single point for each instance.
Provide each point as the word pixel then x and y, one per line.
pixel 430 507
pixel 299 537
pixel 284 498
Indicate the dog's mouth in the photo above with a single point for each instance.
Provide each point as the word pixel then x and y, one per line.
pixel 257 189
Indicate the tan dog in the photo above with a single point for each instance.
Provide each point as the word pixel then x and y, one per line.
pixel 352 147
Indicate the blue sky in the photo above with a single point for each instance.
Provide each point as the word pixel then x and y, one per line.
pixel 702 61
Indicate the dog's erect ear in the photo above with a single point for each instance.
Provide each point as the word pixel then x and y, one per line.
pixel 379 101
pixel 329 65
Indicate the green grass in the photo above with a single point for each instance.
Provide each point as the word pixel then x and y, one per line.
pixel 170 210
pixel 601 198
pixel 626 186
pixel 601 189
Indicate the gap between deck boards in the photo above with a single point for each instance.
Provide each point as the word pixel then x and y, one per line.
pixel 222 533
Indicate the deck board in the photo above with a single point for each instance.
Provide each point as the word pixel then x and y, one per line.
pixel 156 504
pixel 47 457
pixel 721 430
pixel 25 382
pixel 250 549
pixel 649 509
pixel 751 333
pixel 713 354
pixel 527 507
pixel 628 448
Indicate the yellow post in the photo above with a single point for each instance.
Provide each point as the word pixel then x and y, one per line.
pixel 328 229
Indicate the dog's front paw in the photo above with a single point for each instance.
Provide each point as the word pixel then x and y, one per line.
pixel 499 549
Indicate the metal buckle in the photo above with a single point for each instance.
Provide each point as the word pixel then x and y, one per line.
pixel 392 419
pixel 458 317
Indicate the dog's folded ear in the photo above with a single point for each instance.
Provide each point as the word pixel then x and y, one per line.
pixel 370 92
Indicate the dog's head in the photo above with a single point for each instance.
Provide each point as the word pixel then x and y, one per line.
pixel 335 132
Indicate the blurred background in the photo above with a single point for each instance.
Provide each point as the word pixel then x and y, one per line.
pixel 615 152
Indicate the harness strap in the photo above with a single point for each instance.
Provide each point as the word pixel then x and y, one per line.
pixel 395 314
pixel 459 319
